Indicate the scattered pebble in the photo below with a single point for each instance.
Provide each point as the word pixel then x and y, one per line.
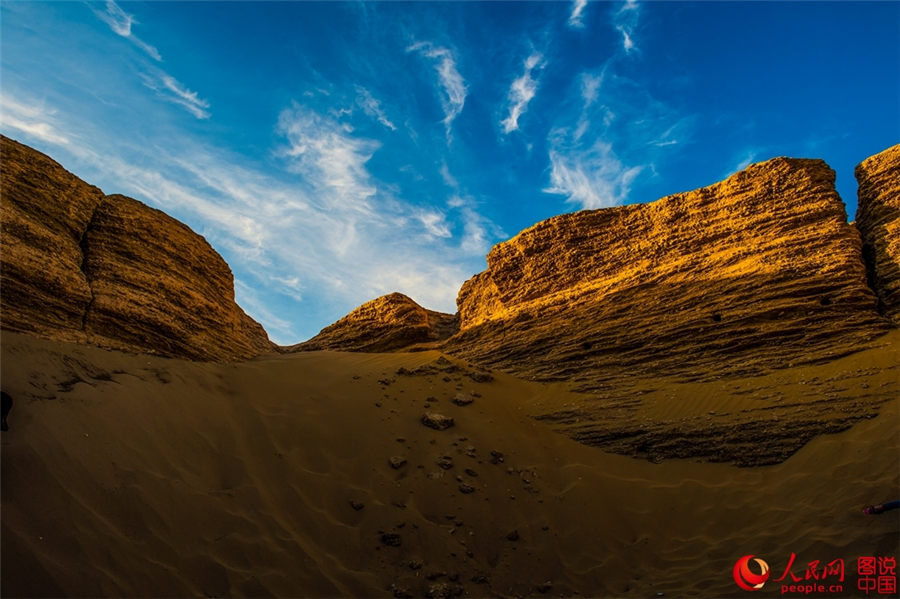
pixel 391 539
pixel 513 536
pixel 466 489
pixel 357 505
pixel 461 399
pixel 437 421
pixel 480 377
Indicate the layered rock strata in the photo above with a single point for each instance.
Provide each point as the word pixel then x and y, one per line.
pixel 387 323
pixel 81 266
pixel 878 220
pixel 758 271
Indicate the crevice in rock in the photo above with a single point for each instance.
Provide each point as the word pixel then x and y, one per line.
pixel 869 259
pixel 83 244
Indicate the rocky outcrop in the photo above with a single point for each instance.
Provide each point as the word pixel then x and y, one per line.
pixel 755 272
pixel 679 320
pixel 108 270
pixel 878 221
pixel 44 212
pixel 388 323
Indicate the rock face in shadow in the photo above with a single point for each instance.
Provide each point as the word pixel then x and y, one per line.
pixel 388 323
pixel 108 270
pixel 45 211
pixel 758 271
pixel 878 221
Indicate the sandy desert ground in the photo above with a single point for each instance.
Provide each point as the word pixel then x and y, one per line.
pixel 130 475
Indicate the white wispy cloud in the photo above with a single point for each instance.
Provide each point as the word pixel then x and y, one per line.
pixel 31 119
pixel 521 92
pixel 329 157
pixel 591 178
pixel 121 23
pixel 578 7
pixel 168 88
pixel 625 20
pixel 590 86
pixel 435 223
pixel 372 107
pixel 453 86
pixel 612 132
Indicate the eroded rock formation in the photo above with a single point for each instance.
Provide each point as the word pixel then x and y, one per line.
pixel 387 323
pixel 45 211
pixel 758 271
pixel 108 270
pixel 878 220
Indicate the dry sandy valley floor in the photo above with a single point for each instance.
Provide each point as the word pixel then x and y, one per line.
pixel 129 475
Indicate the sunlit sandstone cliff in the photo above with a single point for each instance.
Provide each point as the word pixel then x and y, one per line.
pixel 387 323
pixel 78 265
pixel 758 271
pixel 878 220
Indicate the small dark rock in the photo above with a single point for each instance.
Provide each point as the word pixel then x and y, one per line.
pixel 391 539
pixel 466 489
pixel 461 399
pixel 445 462
pixel 397 462
pixel 481 377
pixel 513 536
pixel 357 505
pixel 437 421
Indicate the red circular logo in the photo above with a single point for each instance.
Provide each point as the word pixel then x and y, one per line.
pixel 745 578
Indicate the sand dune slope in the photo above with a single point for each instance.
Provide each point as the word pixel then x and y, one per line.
pixel 128 475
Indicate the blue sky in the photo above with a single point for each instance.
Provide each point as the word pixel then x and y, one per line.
pixel 333 152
